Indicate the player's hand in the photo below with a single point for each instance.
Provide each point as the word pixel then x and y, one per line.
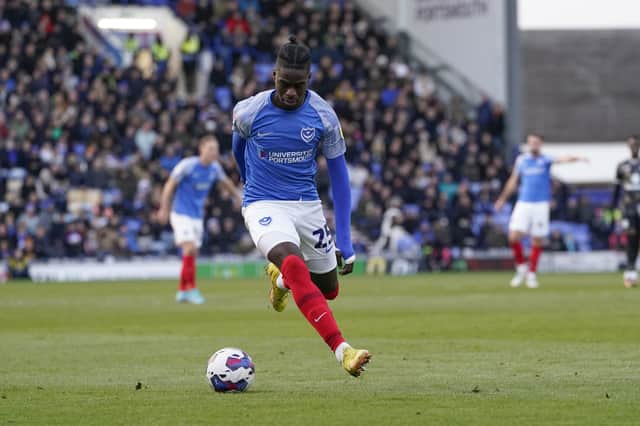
pixel 345 266
pixel 163 216
pixel 498 205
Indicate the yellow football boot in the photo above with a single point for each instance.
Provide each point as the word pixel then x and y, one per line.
pixel 355 360
pixel 278 297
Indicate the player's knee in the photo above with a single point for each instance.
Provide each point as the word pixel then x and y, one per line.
pixel 282 251
pixel 189 249
pixel 514 237
pixel 330 295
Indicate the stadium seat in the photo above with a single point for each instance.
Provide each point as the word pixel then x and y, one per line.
pixel 223 97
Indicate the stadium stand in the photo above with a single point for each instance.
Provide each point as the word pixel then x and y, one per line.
pixel 86 146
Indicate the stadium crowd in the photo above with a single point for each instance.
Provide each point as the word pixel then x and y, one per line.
pixel 85 146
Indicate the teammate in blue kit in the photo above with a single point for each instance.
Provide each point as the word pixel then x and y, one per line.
pixel 277 135
pixel 531 212
pixel 182 203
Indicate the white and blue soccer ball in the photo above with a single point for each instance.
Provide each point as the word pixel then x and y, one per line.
pixel 230 370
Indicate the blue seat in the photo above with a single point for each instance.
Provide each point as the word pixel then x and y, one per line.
pixel 223 97
pixel 133 225
pixel 263 72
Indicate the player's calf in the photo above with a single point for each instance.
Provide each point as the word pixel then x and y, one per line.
pixel 327 283
pixel 331 295
pixel 630 275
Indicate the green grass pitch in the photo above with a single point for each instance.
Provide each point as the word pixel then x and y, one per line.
pixel 451 349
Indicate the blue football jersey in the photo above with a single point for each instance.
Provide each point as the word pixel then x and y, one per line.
pixel 535 177
pixel 194 182
pixel 282 145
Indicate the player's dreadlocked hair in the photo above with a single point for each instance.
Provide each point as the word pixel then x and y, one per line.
pixel 294 54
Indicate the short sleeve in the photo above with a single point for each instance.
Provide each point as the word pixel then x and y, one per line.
pixel 220 174
pixel 239 120
pixel 550 161
pixel 245 112
pixel 333 144
pixel 182 169
pixel 332 140
pixel 518 165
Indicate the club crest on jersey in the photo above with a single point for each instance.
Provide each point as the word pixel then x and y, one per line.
pixel 265 221
pixel 307 134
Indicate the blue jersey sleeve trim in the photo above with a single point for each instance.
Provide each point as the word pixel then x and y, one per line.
pixel 341 191
pixel 238 146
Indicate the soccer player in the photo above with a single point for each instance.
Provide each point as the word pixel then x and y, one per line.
pixel 182 203
pixel 277 134
pixel 628 180
pixel 532 170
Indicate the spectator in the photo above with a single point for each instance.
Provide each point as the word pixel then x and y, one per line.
pixel 556 242
pixel 161 55
pixel 237 24
pixel 491 236
pixel 131 44
pixel 19 264
pixel 190 49
pixel 145 139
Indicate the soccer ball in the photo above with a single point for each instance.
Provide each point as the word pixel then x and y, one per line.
pixel 230 370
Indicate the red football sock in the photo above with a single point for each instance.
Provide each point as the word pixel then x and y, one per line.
pixel 533 258
pixel 518 253
pixel 310 300
pixel 188 273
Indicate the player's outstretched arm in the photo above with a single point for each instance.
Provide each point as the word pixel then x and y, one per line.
pixel 238 146
pixel 569 159
pixel 509 188
pixel 166 199
pixel 339 176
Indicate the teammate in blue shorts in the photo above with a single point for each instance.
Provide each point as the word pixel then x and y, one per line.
pixel 530 215
pixel 277 135
pixel 182 203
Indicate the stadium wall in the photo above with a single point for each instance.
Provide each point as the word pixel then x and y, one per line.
pixel 469 36
pixel 581 85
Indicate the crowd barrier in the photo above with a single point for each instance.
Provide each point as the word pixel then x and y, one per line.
pixel 230 267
